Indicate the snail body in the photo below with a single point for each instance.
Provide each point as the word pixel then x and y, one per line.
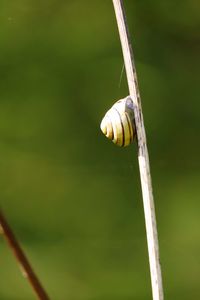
pixel 118 123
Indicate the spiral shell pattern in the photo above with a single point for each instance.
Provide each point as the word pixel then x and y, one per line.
pixel 118 122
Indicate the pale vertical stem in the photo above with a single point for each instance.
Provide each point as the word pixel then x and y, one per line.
pixel 143 157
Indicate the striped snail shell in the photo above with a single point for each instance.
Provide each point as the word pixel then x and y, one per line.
pixel 118 123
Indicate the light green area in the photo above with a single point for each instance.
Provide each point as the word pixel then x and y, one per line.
pixel 72 197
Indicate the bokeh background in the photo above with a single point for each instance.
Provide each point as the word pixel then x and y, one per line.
pixel 72 197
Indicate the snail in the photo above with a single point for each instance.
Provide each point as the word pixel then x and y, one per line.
pixel 118 123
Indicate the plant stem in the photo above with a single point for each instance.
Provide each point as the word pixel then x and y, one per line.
pixel 24 264
pixel 143 157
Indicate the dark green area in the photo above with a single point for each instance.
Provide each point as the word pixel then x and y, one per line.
pixel 73 197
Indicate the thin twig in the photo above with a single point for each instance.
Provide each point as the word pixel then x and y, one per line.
pixel 24 264
pixel 143 157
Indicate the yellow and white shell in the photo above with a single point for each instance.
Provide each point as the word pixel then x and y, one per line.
pixel 118 122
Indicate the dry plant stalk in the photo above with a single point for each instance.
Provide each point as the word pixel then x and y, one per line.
pixel 24 264
pixel 143 157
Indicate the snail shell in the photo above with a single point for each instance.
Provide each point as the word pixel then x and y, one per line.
pixel 118 123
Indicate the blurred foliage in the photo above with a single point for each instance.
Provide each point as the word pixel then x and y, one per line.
pixel 73 197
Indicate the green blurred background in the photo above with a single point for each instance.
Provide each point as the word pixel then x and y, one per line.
pixel 73 197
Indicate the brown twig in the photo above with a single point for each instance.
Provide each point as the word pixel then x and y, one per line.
pixel 143 157
pixel 24 264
